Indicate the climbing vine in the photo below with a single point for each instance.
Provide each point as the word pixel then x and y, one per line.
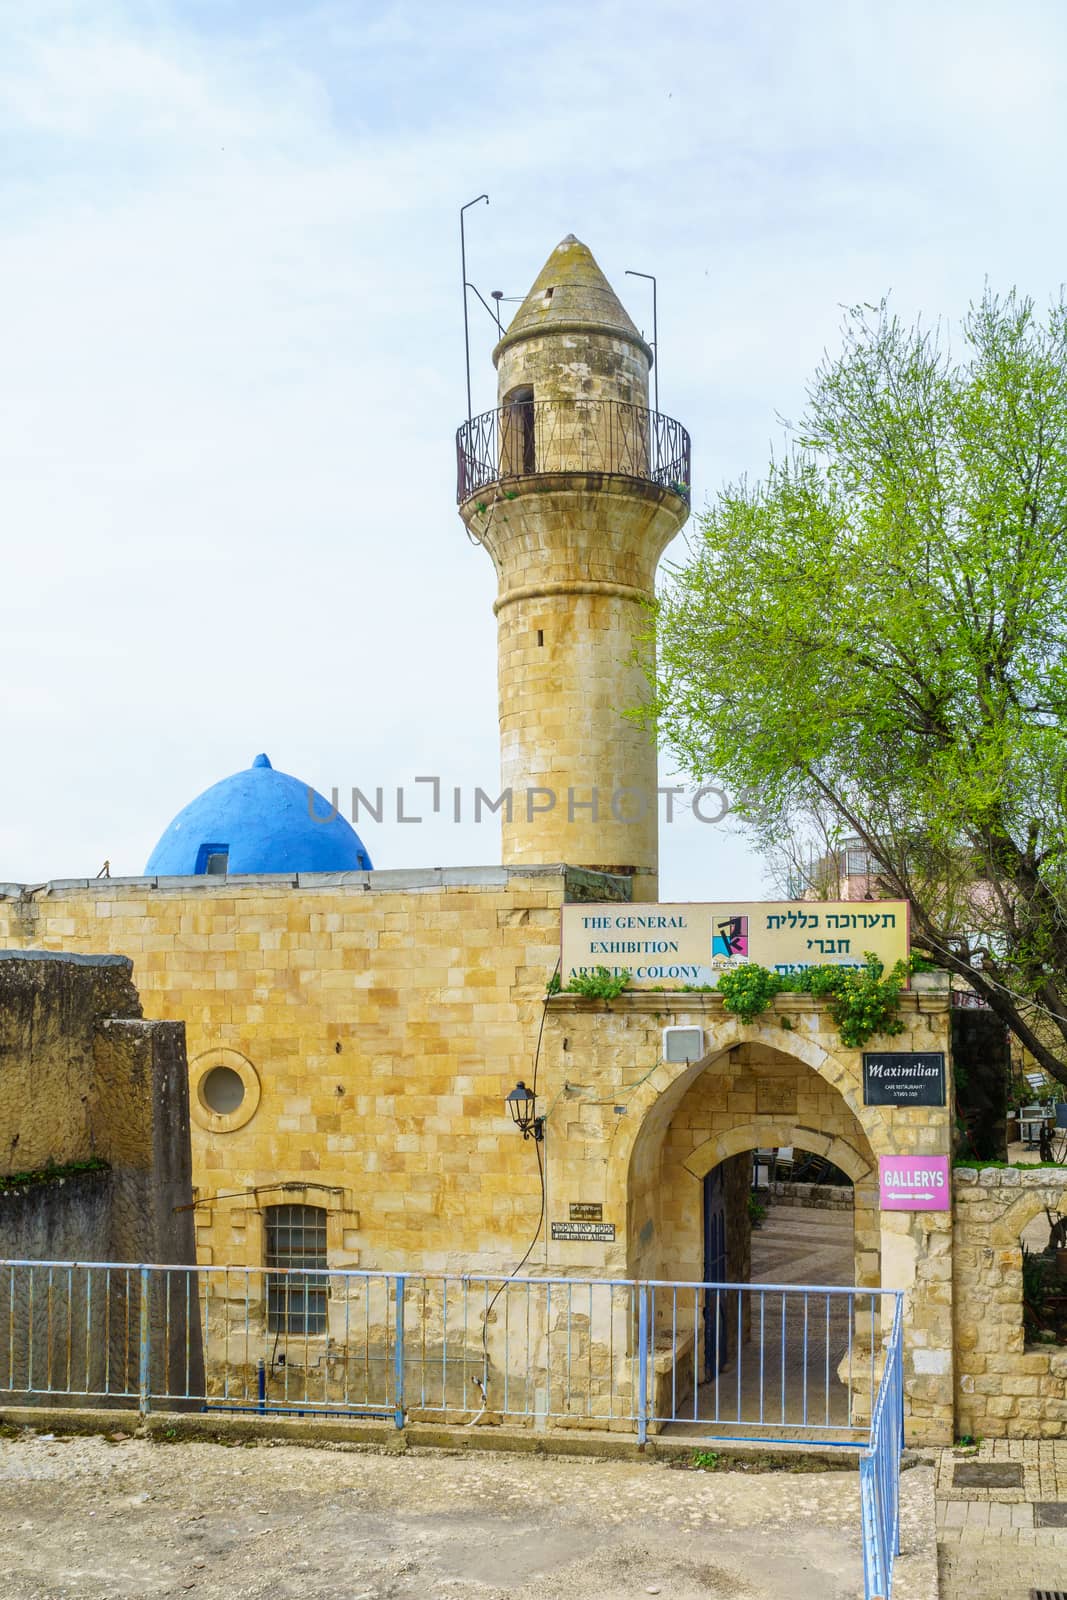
pixel 749 989
pixel 863 1001
pixel 600 984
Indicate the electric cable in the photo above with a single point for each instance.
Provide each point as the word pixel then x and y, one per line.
pixel 484 1383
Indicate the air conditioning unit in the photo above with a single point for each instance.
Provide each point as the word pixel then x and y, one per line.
pixel 683 1044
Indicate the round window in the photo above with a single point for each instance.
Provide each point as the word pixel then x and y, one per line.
pixel 222 1091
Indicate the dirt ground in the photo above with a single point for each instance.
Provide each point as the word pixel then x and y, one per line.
pixel 106 1520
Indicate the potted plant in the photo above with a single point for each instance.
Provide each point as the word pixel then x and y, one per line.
pixel 925 976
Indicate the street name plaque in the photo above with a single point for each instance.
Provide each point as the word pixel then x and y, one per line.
pixel 570 1232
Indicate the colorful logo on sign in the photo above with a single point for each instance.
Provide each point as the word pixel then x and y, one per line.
pixel 730 937
pixel 914 1183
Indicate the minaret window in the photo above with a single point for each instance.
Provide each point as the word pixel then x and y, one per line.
pixel 518 451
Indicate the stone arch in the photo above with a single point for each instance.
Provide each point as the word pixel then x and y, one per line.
pixel 654 1101
pixel 766 1131
pixel 1006 1233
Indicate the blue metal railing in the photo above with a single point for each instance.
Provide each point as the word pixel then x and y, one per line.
pixel 785 1363
pixel 880 1472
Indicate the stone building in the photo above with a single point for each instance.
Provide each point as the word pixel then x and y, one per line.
pixel 353 1033
pixel 94 1126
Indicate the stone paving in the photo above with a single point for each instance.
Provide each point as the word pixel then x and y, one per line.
pixel 994 1539
pixel 794 1246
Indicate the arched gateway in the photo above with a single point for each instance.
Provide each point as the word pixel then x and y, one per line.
pixel 632 1139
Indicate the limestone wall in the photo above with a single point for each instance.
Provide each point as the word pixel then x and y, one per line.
pixel 1005 1387
pixel 637 1133
pixel 377 1023
pixel 812 1196
pixel 83 1075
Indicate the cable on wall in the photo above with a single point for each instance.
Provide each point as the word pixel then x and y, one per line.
pixel 483 1383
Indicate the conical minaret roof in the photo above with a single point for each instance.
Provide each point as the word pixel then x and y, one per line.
pixel 570 293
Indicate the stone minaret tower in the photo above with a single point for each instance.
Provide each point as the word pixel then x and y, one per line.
pixel 575 489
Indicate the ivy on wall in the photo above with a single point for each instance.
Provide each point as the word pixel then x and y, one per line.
pixel 863 1001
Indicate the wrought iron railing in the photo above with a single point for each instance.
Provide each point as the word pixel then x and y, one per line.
pixel 536 437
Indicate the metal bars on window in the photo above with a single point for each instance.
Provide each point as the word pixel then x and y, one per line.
pixel 296 1299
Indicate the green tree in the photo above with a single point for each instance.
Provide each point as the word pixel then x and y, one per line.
pixel 872 642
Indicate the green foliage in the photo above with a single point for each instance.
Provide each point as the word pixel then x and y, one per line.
pixel 861 1000
pixel 1035 1292
pixel 875 635
pixel 51 1173
pixel 600 984
pixel 921 963
pixel 748 989
pixel 705 1460
pixel 973 1164
pixel 555 983
pixel 757 1211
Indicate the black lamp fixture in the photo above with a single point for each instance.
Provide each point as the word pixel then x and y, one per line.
pixel 520 1102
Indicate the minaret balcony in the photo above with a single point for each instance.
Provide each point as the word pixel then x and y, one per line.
pixel 550 438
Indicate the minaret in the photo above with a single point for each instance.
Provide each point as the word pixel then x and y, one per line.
pixel 575 489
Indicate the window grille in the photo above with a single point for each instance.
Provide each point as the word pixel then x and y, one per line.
pixel 296 1300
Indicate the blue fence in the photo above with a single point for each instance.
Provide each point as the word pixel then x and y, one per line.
pixel 776 1363
pixel 880 1472
pixel 742 1360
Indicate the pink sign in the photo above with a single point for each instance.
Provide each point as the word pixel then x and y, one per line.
pixel 914 1183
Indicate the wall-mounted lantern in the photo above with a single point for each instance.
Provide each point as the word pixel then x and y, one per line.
pixel 520 1102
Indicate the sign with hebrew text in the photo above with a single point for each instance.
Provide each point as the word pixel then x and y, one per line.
pixel 677 945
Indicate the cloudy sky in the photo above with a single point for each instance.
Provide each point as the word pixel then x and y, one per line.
pixel 233 356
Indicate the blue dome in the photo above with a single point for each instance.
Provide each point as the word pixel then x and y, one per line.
pixel 258 821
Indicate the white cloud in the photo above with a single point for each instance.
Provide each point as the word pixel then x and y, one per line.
pixel 233 351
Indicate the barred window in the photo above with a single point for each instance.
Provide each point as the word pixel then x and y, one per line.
pixel 296 1238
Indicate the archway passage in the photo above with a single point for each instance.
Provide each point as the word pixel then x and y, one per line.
pixel 770 1333
pixel 803 1217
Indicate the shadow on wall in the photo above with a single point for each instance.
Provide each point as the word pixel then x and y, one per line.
pixel 95 1150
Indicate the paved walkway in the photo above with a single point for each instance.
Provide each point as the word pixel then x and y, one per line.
pixel 1002 1520
pixel 796 1381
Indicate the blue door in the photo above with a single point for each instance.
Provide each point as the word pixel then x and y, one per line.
pixel 715 1353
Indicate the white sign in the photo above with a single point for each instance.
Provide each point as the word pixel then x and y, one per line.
pixel 692 944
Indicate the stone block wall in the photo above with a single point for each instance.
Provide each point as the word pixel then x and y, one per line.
pixel 83 1077
pixel 376 1021
pixel 638 1133
pixel 812 1196
pixel 1005 1388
